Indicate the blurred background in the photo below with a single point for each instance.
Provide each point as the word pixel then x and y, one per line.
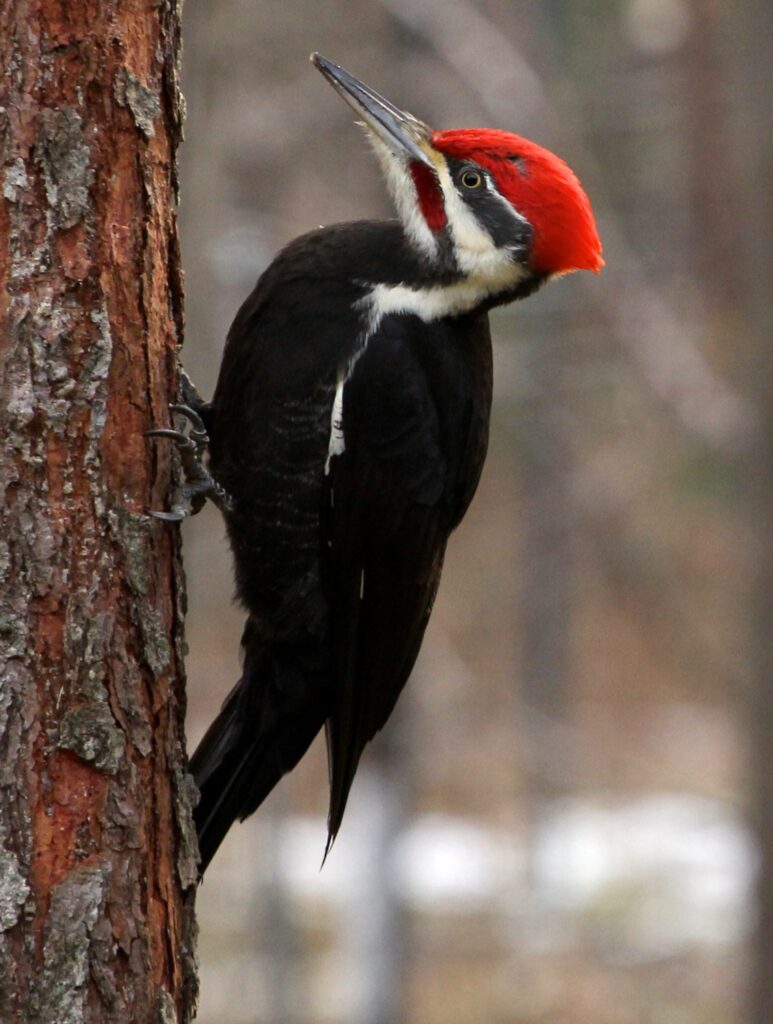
pixel 568 818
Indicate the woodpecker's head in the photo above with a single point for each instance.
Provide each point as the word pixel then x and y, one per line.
pixel 503 210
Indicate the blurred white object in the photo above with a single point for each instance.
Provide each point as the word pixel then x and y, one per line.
pixel 656 874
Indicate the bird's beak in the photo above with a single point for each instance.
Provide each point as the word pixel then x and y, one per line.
pixel 400 131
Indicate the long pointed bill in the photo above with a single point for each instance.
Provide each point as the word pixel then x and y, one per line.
pixel 397 129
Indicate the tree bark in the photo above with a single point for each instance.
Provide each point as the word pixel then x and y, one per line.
pixel 97 856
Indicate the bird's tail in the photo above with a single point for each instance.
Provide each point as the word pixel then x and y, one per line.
pixel 264 727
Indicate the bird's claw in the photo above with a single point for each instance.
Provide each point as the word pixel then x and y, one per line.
pixel 199 483
pixel 168 517
pixel 198 433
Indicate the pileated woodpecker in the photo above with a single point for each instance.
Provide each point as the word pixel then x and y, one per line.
pixel 347 434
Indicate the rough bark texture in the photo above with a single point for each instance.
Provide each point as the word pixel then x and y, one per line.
pixel 97 863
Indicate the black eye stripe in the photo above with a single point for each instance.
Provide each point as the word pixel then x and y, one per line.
pixel 489 208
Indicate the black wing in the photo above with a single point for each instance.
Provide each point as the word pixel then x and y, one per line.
pixel 415 425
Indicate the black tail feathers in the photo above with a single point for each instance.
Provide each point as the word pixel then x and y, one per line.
pixel 265 726
pixel 218 767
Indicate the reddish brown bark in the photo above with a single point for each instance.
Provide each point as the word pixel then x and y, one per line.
pixel 97 865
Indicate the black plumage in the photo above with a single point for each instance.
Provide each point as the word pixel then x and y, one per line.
pixel 337 558
pixel 348 432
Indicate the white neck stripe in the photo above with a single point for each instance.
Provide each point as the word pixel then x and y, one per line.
pixel 439 301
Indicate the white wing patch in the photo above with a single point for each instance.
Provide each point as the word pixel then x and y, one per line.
pixel 337 443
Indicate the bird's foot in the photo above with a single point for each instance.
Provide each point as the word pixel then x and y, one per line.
pixel 189 394
pixel 199 482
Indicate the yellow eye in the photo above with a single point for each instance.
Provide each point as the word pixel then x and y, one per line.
pixel 472 179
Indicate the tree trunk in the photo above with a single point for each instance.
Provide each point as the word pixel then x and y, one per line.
pixel 97 859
